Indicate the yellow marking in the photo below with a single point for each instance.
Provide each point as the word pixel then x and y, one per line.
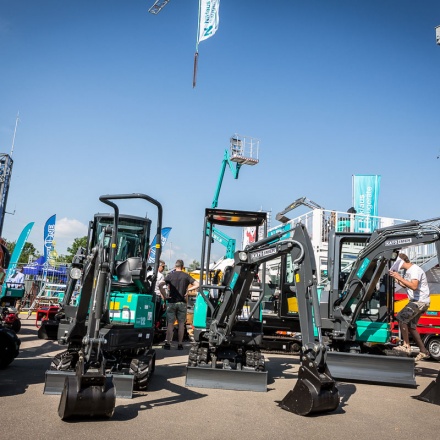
pixel 114 305
pixel 297 278
pixel 113 245
pixel 129 298
pixel 157 245
pixel 292 304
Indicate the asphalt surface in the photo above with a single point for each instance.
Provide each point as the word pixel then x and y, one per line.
pixel 169 410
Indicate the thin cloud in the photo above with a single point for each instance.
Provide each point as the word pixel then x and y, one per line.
pixel 66 230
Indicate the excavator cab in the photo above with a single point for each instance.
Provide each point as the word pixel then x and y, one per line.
pixel 109 332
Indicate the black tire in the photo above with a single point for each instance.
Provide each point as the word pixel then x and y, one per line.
pixel 9 344
pixel 143 368
pixel 433 346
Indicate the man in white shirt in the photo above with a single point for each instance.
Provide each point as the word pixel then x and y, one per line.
pixel 416 284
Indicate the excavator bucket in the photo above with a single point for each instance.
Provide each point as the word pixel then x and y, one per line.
pixel 87 396
pixel 239 380
pixel 431 393
pixel 314 392
pixel 48 330
pixel 375 369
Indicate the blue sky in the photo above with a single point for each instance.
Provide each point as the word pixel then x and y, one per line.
pixel 106 104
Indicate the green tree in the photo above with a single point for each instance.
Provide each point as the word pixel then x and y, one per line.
pixel 193 266
pixel 77 243
pixel 28 251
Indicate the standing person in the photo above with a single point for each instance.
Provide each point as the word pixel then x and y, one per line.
pixel 159 290
pixel 417 288
pixel 178 283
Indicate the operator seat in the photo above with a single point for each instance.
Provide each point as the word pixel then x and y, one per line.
pixel 125 271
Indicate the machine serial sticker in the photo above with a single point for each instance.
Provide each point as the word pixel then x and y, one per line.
pixel 398 242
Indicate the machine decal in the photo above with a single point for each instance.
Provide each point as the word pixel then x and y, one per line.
pixel 398 242
pixel 234 280
pixel 363 268
pixel 264 253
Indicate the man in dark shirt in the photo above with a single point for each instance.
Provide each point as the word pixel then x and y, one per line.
pixel 178 283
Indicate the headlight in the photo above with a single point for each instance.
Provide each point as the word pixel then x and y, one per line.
pixel 242 256
pixel 75 273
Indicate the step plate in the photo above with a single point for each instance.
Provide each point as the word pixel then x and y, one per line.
pixel 375 369
pixel 239 380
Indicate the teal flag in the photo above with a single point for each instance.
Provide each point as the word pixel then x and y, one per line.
pixel 18 249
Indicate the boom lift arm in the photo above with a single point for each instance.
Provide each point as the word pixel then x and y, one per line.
pixel 302 201
pixel 234 159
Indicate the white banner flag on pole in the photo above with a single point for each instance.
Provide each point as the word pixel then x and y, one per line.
pixel 208 18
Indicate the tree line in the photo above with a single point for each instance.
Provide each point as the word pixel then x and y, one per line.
pixel 30 253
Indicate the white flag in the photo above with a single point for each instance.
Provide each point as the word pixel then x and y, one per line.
pixel 208 18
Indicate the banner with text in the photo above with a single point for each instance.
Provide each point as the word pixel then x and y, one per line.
pixel 207 27
pixel 49 235
pixel 165 232
pixel 208 19
pixel 365 202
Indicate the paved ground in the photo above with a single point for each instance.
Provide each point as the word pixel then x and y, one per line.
pixel 169 410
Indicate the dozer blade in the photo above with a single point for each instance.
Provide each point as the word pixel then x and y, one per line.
pixel 431 393
pixel 375 369
pixel 240 380
pixel 314 392
pixel 55 381
pixel 84 397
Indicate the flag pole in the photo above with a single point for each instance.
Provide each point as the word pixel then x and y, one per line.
pixel 196 55
pixel 196 59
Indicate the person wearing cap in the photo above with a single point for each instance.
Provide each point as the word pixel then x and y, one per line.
pixel 417 289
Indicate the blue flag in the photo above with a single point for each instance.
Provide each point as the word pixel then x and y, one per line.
pixel 164 233
pixel 18 249
pixel 365 201
pixel 49 234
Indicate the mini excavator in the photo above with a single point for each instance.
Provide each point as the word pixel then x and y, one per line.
pixel 228 328
pixel 109 331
